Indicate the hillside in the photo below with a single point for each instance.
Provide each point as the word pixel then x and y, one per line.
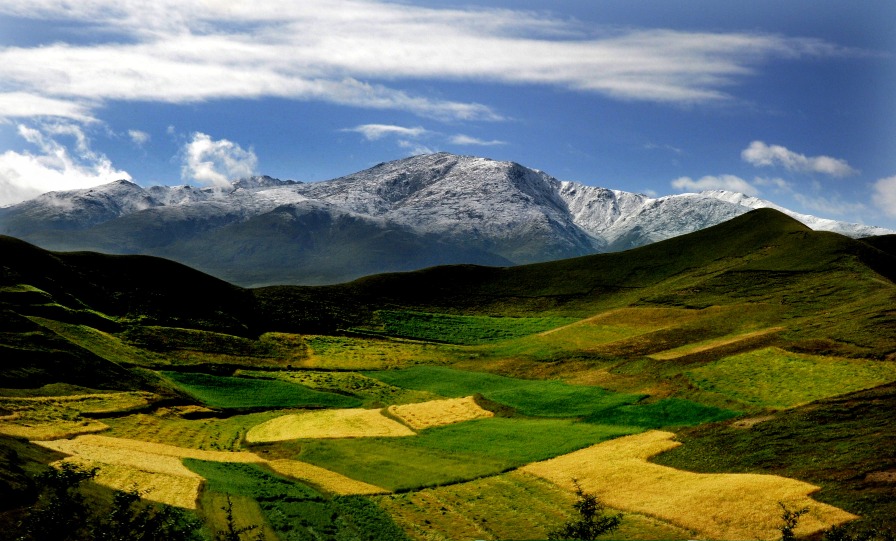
pixel 313 407
pixel 404 215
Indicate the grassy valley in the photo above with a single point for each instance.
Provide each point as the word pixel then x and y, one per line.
pixel 712 375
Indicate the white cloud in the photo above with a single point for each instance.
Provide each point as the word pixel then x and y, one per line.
pixel 138 137
pixel 55 166
pixel 760 154
pixel 466 140
pixel 373 132
pixel 207 161
pixel 31 105
pixel 730 183
pixel 415 148
pixel 180 51
pixel 885 195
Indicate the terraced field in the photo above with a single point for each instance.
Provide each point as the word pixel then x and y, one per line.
pixel 692 385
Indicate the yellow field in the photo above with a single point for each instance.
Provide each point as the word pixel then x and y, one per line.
pixel 439 412
pixel 344 423
pixel 120 456
pixel 157 469
pixel 325 479
pixel 719 506
pixel 176 490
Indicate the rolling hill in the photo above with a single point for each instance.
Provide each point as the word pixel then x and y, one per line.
pixel 742 338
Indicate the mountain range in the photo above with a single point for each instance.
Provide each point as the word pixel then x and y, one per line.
pixel 407 214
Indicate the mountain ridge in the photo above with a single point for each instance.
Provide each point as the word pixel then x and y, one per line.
pixel 396 216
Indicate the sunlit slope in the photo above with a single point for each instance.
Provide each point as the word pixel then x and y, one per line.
pixel 840 290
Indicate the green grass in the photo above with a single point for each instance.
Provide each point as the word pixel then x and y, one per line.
pixel 296 511
pixel 668 412
pixel 463 330
pixel 537 398
pixel 373 392
pixel 454 453
pixel 246 393
pixel 775 378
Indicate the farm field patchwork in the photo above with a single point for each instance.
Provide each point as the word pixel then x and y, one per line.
pixel 452 453
pixel 508 506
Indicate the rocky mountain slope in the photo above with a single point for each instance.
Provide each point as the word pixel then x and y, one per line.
pixel 402 215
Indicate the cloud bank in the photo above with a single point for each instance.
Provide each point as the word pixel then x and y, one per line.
pixel 358 53
pixel 760 154
pixel 54 166
pixel 729 183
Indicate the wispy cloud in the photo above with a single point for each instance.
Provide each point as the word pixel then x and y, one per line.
pixel 358 53
pixel 62 160
pixel 216 162
pixel 760 154
pixel 373 132
pixel 466 140
pixel 729 183
pixel 885 195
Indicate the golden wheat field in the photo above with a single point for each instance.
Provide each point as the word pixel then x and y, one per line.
pixel 439 412
pixel 344 423
pixel 176 490
pixel 325 479
pixel 719 506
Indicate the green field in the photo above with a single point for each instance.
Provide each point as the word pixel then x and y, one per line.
pixel 537 398
pixel 249 393
pixel 295 511
pixel 463 330
pixel 456 452
pixel 775 378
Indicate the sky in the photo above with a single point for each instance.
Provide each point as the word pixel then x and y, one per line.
pixel 793 101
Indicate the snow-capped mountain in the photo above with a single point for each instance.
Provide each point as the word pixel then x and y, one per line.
pixel 406 214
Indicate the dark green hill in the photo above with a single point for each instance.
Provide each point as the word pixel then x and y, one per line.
pixel 149 290
pixel 762 257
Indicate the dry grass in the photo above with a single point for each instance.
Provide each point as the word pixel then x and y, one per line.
pixel 718 506
pixel 439 412
pixel 344 423
pixel 325 479
pixel 177 490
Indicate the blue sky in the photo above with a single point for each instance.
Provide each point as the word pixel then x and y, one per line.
pixel 789 100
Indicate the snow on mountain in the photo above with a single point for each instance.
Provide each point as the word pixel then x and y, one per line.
pixel 431 209
pixel 816 223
